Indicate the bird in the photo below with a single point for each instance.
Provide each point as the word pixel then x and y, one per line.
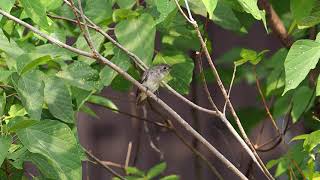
pixel 151 79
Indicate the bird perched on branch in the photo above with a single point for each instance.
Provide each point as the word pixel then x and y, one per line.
pixel 151 79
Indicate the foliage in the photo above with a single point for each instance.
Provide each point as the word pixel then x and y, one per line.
pixel 43 86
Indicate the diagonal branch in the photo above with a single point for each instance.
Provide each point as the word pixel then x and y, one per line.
pixel 276 24
pixel 105 61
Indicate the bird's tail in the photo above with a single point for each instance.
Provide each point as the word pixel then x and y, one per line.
pixel 140 98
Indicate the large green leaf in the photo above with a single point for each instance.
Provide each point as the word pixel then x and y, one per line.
pixel 181 72
pixel 210 6
pixel 302 98
pixel 138 35
pixel 6 5
pixel 30 89
pixel 5 142
pixel 121 60
pixel 58 99
pixel 56 142
pixel 98 10
pixel 302 57
pixel 36 11
pixel 81 75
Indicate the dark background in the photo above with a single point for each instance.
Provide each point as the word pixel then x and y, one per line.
pixel 108 137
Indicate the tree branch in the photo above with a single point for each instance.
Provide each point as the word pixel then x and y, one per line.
pixel 105 61
pixel 276 24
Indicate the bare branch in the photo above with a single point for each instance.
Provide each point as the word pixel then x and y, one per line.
pixel 205 85
pixel 264 102
pixel 105 61
pixel 276 24
pixel 230 87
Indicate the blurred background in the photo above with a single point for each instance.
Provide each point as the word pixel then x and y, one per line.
pixel 109 135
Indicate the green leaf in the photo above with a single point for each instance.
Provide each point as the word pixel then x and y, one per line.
pixel 37 12
pixel 2 103
pixel 6 5
pixel 164 7
pixel 98 10
pixel 43 164
pixel 181 72
pixel 121 60
pixel 138 35
pixel 51 4
pixel 17 110
pixel 29 61
pixel 127 4
pixel 100 100
pixel 210 6
pixel 4 75
pixel 302 98
pixel 302 57
pixel 251 7
pixel 5 142
pixel 170 177
pixel 56 142
pixel 80 96
pixel 301 9
pixel 19 122
pixel 304 16
pixel 10 48
pixel 300 137
pixel 122 14
pixel 81 43
pixel 225 17
pixel 312 141
pixel 134 171
pixel 58 99
pixel 318 87
pixel 81 75
pixel 30 89
pixel 156 170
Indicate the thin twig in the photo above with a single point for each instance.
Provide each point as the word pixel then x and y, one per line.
pixel 230 87
pixel 264 101
pixel 124 74
pixel 128 155
pixel 298 168
pixel 276 24
pixel 205 85
pixel 104 165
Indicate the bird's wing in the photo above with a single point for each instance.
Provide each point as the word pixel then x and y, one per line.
pixel 144 77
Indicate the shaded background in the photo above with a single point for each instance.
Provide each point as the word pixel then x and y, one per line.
pixel 108 137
